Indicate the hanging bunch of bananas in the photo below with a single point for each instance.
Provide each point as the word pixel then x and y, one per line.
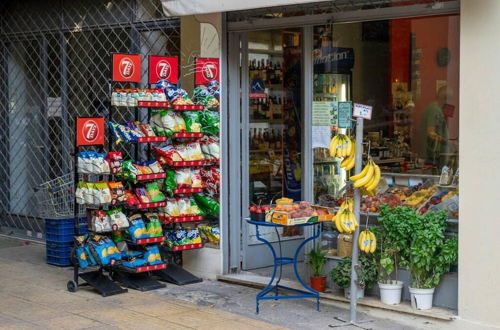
pixel 341 146
pixel 368 179
pixel 347 204
pixel 345 221
pixel 367 241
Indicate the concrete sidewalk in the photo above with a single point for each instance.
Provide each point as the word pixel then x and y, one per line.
pixel 33 295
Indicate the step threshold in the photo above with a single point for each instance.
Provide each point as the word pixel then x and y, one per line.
pixel 259 282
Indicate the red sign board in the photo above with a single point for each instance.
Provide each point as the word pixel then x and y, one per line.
pixel 207 69
pixel 163 67
pixel 89 131
pixel 126 68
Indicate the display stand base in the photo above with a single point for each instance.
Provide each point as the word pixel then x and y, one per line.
pixel 345 323
pixel 141 282
pixel 101 283
pixel 176 275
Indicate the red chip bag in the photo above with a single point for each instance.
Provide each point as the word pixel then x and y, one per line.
pixel 168 154
pixel 130 198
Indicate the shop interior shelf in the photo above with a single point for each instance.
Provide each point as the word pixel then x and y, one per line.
pixel 152 139
pixel 154 176
pixel 152 104
pixel 187 247
pixel 151 205
pixel 188 190
pixel 149 240
pixel 189 107
pixel 187 135
pixel 143 269
pixel 180 219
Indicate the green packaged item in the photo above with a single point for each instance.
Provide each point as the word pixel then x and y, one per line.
pixel 169 184
pixel 153 227
pixel 154 193
pixel 129 171
pixel 118 236
pixel 209 205
pixel 192 120
pixel 210 122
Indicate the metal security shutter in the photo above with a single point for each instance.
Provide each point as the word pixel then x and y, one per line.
pixel 54 66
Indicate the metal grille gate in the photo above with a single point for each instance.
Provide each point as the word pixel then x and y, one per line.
pixel 54 66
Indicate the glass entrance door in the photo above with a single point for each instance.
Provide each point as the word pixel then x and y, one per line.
pixel 271 134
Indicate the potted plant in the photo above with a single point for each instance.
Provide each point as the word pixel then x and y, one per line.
pixel 367 274
pixel 431 254
pixel 394 235
pixel 317 262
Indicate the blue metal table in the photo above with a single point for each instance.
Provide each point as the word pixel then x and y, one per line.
pixel 275 289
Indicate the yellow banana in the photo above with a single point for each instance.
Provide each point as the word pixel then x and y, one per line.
pixel 349 146
pixel 376 178
pixel 373 244
pixel 360 175
pixel 350 164
pixel 353 219
pixel 338 223
pixel 361 240
pixel 365 179
pixel 333 145
pixel 344 223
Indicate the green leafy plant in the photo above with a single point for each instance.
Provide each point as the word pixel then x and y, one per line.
pixel 317 261
pixel 394 235
pixel 430 253
pixel 367 272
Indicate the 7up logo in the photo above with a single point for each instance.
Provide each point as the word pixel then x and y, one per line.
pixel 209 71
pixel 163 69
pixel 90 131
pixel 126 67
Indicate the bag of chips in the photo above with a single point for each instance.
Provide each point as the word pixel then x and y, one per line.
pixel 196 181
pixel 210 148
pixel 210 122
pixel 117 192
pixel 100 222
pixel 168 155
pixel 130 198
pixel 153 226
pixel 192 120
pixel 152 255
pixel 193 151
pixel 208 205
pixel 137 229
pixel 115 159
pixel 142 195
pixel 154 193
pixel 118 218
pixel 183 178
pixel 104 195
pixel 171 209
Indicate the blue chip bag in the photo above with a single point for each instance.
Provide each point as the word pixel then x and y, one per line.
pixel 152 255
pixel 83 260
pixel 134 263
pixel 137 229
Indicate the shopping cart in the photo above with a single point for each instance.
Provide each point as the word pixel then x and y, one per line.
pixel 56 198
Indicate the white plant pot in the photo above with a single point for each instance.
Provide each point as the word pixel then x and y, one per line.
pixel 390 294
pixel 360 293
pixel 421 298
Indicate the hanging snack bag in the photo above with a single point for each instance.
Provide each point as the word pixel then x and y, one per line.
pixel 192 120
pixel 168 154
pixel 81 192
pixel 210 148
pixel 183 178
pixel 156 123
pixel 129 171
pixel 100 222
pixel 184 205
pixel 113 127
pixel 211 180
pixel 193 151
pixel 118 218
pixel 154 193
pixel 208 205
pixel 146 130
pixel 153 226
pixel 193 208
pixel 137 228
pixel 92 194
pixel 196 181
pixel 134 263
pixel 169 184
pixel 180 124
pixel 104 195
pixel 172 209
pixel 113 252
pixel 117 192
pixel 130 198
pixel 99 248
pixel 193 236
pixel 142 195
pixel 210 122
pixel 152 255
pixel 169 122
pixel 102 164
pixel 115 159
pixel 84 164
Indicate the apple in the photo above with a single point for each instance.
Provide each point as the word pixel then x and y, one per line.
pixel 253 208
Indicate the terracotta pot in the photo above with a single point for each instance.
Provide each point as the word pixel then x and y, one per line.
pixel 318 283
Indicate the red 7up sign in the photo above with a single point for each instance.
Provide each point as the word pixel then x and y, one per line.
pixel 207 69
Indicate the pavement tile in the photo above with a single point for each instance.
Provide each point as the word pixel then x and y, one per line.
pixel 159 309
pixel 10 322
pixel 114 316
pixel 70 322
pixel 150 323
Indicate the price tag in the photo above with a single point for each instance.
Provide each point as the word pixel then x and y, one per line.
pixel 344 117
pixel 362 111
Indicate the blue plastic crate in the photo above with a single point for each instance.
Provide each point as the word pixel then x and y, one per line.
pixel 59 253
pixel 82 229
pixel 60 238
pixel 58 261
pixel 59 245
pixel 64 222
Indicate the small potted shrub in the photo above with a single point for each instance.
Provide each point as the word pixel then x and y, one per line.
pixel 431 254
pixel 394 235
pixel 367 275
pixel 317 261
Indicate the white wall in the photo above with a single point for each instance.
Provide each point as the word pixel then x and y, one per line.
pixel 479 260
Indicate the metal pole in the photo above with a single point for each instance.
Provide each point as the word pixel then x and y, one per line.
pixel 357 201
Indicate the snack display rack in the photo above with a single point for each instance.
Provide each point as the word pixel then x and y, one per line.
pixel 146 275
